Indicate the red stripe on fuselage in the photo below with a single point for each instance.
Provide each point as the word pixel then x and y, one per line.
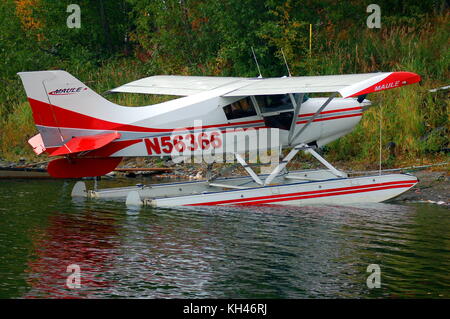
pixel 330 118
pixel 332 111
pixel 42 113
pixel 53 116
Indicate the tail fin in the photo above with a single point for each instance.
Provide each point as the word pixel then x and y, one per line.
pixel 70 119
pixel 59 100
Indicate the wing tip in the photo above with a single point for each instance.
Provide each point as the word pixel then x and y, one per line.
pixel 391 81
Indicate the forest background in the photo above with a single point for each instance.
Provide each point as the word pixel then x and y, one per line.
pixel 123 40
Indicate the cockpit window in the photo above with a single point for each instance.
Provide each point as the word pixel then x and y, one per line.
pixel 238 109
pixel 274 103
pixel 277 102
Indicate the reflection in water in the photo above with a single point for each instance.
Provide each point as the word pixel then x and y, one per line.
pixel 220 252
pixel 87 240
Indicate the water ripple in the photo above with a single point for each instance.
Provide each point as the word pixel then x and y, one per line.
pixel 217 252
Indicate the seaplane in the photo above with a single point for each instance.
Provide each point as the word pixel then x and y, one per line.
pixel 90 135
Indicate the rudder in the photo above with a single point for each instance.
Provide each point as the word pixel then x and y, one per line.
pixel 59 100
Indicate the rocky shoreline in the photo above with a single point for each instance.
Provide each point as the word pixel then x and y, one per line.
pixel 433 186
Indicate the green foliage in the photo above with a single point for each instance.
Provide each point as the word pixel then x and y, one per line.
pixel 120 41
pixel 17 53
pixel 16 130
pixel 103 30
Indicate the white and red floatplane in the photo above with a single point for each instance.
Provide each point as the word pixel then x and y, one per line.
pixel 214 117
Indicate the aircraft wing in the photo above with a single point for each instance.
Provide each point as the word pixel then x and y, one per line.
pixel 347 85
pixel 174 84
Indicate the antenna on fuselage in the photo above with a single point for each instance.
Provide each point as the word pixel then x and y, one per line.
pixel 285 62
pixel 257 65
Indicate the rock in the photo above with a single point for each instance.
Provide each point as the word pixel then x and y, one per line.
pixel 199 176
pixel 169 163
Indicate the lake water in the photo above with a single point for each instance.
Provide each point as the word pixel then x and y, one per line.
pixel 222 252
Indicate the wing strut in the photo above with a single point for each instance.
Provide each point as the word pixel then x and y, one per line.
pixel 297 105
pixel 315 115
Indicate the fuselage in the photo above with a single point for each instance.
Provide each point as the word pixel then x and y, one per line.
pixel 240 131
pixel 208 121
pixel 227 125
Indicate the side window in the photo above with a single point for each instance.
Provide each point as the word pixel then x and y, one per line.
pixel 238 109
pixel 274 103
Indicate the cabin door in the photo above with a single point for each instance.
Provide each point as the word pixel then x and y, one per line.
pixel 277 110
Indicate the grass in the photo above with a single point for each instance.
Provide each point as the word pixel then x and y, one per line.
pixel 15 131
pixel 413 118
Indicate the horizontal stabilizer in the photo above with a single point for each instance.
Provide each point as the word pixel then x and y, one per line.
pixel 86 143
pixel 82 167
